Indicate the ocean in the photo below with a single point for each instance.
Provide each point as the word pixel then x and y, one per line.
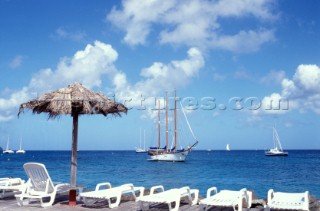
pixel 233 170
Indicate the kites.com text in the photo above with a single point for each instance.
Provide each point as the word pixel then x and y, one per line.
pixel 206 103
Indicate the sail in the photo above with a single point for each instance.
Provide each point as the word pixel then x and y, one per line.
pixel 171 153
pixel 228 147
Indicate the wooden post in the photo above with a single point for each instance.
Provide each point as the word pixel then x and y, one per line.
pixel 73 193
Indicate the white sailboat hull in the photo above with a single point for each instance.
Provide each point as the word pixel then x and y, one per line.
pixel 21 151
pixel 275 152
pixel 8 151
pixel 139 150
pixel 171 156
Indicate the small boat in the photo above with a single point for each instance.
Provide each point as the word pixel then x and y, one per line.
pixel 140 149
pixel 228 147
pixel 171 154
pixel 20 151
pixel 277 150
pixel 7 150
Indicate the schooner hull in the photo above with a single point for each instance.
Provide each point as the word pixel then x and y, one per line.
pixel 170 157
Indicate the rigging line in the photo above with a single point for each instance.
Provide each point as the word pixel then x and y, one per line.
pixel 185 116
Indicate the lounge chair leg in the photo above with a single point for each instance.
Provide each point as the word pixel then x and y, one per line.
pixel 144 206
pixel 206 208
pixel 195 199
pixel 116 203
pixel 48 204
pixel 20 201
pixel 177 205
pixel 266 208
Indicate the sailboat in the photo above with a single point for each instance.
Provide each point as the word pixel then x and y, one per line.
pixel 228 147
pixel 20 151
pixel 7 151
pixel 140 149
pixel 172 154
pixel 277 150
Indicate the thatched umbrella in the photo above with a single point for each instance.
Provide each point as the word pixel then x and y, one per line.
pixel 75 100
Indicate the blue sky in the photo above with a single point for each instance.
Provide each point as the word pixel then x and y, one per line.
pixel 221 54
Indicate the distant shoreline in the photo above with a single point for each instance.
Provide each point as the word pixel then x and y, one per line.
pixel 133 150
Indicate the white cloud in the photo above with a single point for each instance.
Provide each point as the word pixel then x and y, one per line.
pixel 96 61
pixel 301 93
pixel 219 77
pixel 273 77
pixel 193 23
pixel 252 120
pixel 244 41
pixel 137 17
pixel 242 74
pixel 160 77
pixel 16 62
pixel 9 107
pixel 86 66
pixel 215 114
pixel 63 33
pixel 307 77
pixel 288 124
pixel 274 104
pixel 6 118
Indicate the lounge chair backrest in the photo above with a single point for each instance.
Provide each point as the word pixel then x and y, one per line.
pixel 39 177
pixel 247 195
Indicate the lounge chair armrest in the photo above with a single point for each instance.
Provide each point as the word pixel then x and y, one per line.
pixel 21 181
pixel 270 195
pixel 158 187
pixel 187 188
pixel 243 192
pixel 128 184
pixel 4 181
pixel 215 189
pixel 247 196
pixel 107 184
pixel 11 181
pixel 4 178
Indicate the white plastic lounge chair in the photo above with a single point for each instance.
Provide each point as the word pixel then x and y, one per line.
pixel 289 201
pixel 11 186
pixel 40 186
pixel 169 196
pixel 227 198
pixel 109 193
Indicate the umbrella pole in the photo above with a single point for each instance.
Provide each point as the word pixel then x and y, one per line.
pixel 73 193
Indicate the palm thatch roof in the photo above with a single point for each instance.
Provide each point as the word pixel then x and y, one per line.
pixel 74 99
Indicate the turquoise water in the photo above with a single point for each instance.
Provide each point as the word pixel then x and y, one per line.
pixel 298 172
